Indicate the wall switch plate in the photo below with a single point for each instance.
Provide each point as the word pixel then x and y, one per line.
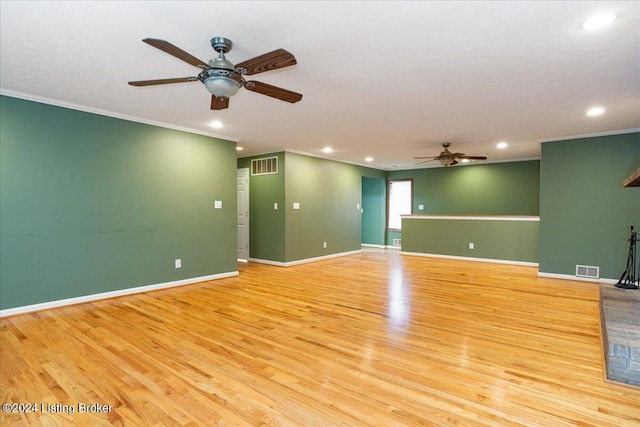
pixel 275 205
pixel 178 263
pixel 358 206
pixel 324 245
pixel 296 205
pixel 420 207
pixel 217 204
pixel 472 246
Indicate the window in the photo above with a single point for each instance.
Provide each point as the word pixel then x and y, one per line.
pixel 400 202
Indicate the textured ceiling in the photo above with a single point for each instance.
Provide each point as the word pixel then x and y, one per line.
pixel 392 80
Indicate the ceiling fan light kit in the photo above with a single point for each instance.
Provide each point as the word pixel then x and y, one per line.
pixel 221 78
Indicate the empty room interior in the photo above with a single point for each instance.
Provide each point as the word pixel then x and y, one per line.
pixel 367 213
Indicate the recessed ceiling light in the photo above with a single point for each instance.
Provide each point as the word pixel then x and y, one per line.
pixel 238 148
pixel 217 124
pixel 368 159
pixel 598 21
pixel 502 145
pixel 327 150
pixel 595 111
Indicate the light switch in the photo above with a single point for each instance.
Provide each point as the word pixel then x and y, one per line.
pixel 420 207
pixel 275 205
pixel 217 204
pixel 358 206
pixel 296 205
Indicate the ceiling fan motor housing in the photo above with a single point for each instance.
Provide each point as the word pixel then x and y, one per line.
pixel 221 44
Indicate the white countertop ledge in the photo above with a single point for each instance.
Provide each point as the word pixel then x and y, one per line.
pixel 475 217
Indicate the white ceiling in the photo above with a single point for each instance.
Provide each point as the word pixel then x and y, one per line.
pixel 387 79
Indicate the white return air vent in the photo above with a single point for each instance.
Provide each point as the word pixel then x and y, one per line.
pixel 264 166
pixel 397 242
pixel 587 271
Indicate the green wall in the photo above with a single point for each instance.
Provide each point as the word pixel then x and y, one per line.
pixel 92 204
pixel 484 189
pixel 585 213
pixel 329 193
pixel 496 240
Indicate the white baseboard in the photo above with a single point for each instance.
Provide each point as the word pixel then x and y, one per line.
pixel 111 294
pixel 398 248
pixel 368 245
pixel 464 258
pixel 304 261
pixel 579 279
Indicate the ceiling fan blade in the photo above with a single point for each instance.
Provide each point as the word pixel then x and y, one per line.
pixel 429 157
pixel 273 91
pixel 163 81
pixel 167 47
pixel 472 157
pixel 279 58
pixel 219 102
pixel 426 161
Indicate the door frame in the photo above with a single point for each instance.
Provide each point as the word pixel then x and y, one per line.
pixel 244 174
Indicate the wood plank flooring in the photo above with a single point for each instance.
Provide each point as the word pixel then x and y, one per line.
pixel 376 339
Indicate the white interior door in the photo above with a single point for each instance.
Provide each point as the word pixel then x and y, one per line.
pixel 243 214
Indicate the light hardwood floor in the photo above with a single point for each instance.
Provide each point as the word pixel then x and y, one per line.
pixel 371 339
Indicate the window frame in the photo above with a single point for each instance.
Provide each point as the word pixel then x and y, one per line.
pixel 389 182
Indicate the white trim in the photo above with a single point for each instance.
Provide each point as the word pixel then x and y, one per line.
pixel 86 109
pixel 111 294
pixel 393 247
pixel 579 279
pixel 476 217
pixel 320 156
pixel 304 261
pixel 464 258
pixel 268 262
pixel 369 245
pixel 590 135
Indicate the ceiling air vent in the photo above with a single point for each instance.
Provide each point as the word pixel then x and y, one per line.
pixel 264 166
pixel 587 271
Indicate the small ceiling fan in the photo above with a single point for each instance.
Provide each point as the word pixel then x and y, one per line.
pixel 223 79
pixel 447 158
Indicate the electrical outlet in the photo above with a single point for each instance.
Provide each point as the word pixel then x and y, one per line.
pixel 275 205
pixel 178 263
pixel 472 246
pixel 324 245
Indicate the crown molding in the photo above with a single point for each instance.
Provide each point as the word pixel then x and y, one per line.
pixel 590 135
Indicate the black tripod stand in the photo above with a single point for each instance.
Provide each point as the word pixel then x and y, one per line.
pixel 629 280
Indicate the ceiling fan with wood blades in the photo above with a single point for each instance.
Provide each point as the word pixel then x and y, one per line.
pixel 447 158
pixel 223 79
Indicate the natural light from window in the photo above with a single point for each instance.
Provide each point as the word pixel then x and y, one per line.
pixel 400 200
